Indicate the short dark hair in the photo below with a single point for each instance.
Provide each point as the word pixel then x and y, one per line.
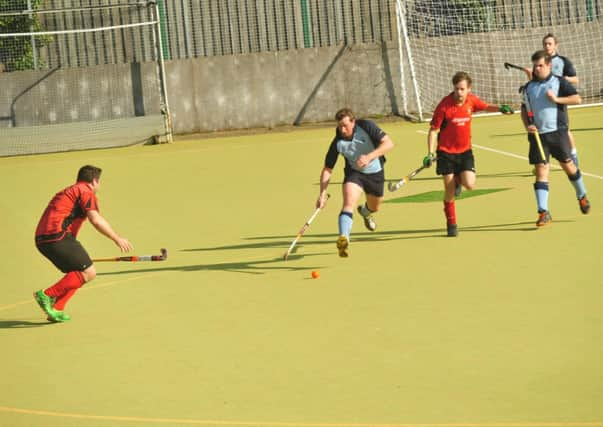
pixel 549 36
pixel 539 54
pixel 460 76
pixel 344 112
pixel 88 173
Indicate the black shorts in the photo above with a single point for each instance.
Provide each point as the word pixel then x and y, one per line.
pixel 455 163
pixel 371 183
pixel 67 254
pixel 556 144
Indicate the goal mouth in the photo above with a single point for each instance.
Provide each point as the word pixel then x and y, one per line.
pixel 81 80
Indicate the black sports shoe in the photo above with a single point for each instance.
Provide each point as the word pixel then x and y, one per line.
pixel 452 230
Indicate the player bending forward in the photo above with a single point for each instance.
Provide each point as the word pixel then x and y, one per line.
pixel 451 127
pixel 56 240
pixel 363 145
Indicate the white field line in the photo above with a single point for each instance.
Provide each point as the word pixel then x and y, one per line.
pixel 517 156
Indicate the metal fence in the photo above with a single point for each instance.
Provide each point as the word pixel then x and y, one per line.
pixel 201 28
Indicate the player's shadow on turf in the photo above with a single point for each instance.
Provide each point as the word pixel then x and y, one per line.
pixel 530 226
pixel 20 324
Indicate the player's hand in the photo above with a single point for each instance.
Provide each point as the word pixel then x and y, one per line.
pixel 322 201
pixel 363 161
pixel 505 109
pixel 532 128
pixel 550 94
pixel 123 244
pixel 428 160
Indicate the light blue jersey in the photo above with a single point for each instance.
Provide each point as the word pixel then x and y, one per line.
pixel 367 137
pixel 548 116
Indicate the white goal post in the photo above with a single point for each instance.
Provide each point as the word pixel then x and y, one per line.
pixel 81 77
pixel 479 36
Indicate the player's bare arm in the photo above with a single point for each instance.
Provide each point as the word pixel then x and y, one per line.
pixel 386 145
pixel 325 177
pixel 564 100
pixel 103 227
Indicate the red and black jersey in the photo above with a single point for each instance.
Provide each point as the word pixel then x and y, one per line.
pixel 66 213
pixel 454 122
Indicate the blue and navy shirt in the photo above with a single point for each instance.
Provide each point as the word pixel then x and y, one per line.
pixel 367 136
pixel 549 116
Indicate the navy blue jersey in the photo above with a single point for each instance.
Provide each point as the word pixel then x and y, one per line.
pixel 367 136
pixel 549 116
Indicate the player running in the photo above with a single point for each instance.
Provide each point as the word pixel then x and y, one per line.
pixel 363 145
pixel 548 96
pixel 451 128
pixel 56 239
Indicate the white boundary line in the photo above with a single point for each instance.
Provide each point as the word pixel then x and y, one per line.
pixel 517 156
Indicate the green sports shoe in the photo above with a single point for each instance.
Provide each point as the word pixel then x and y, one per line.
pixel 45 302
pixel 58 316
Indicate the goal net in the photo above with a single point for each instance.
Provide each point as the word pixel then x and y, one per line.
pixel 79 77
pixel 439 38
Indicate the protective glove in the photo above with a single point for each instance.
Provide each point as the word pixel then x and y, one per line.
pixel 428 160
pixel 505 109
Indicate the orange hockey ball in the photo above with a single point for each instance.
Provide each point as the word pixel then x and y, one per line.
pixel 315 274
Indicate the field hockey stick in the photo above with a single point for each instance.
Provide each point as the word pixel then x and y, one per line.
pixel 530 115
pixel 508 66
pixel 394 185
pixel 302 231
pixel 161 257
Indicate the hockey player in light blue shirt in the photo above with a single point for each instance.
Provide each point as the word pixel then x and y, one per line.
pixel 544 114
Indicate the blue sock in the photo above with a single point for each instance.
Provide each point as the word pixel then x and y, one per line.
pixel 574 156
pixel 346 220
pixel 578 184
pixel 542 195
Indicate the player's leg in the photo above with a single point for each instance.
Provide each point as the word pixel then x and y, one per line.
pixel 351 194
pixel 573 149
pixel 373 187
pixel 69 256
pixel 562 153
pixel 541 182
pixel 447 167
pixel 449 204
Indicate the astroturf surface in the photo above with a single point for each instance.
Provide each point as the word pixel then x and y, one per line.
pixel 501 326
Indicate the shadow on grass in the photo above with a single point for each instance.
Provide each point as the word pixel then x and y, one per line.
pixel 20 324
pixel 246 267
pixel 309 249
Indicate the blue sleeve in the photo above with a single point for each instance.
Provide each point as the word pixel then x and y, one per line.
pixel 332 154
pixel 372 129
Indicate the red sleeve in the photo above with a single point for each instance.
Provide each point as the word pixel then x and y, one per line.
pixel 88 201
pixel 438 116
pixel 478 104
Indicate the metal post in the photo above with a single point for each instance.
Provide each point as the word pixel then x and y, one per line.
pixel 402 22
pixel 305 10
pixel 33 37
pixel 163 85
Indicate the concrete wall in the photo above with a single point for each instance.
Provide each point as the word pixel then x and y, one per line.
pixel 290 87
